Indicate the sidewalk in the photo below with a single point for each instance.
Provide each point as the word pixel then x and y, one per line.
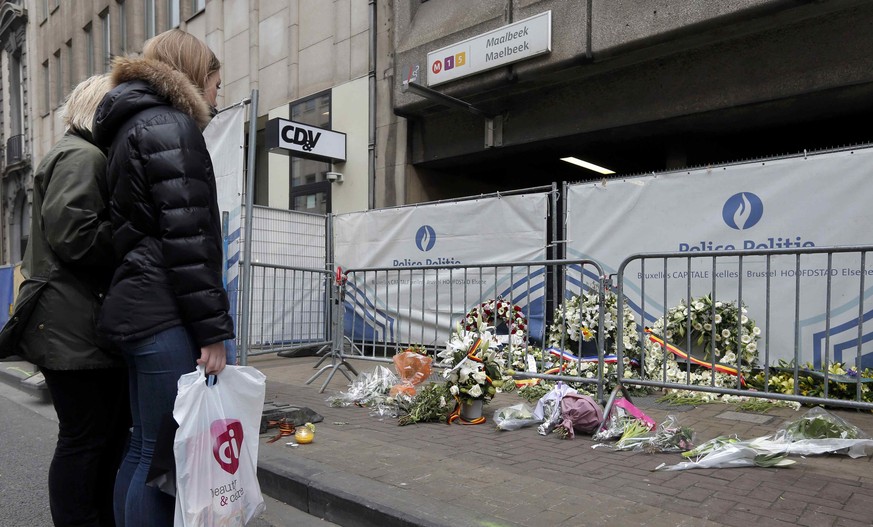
pixel 363 470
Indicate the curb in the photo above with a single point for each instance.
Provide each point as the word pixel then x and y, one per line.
pixel 25 376
pixel 349 499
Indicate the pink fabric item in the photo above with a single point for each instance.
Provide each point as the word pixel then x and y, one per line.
pixel 636 412
pixel 580 413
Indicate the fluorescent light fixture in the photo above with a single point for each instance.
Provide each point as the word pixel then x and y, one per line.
pixel 586 164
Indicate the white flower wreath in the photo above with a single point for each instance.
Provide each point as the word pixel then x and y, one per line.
pixel 578 318
pixel 714 331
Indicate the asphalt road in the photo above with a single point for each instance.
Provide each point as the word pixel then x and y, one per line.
pixel 28 431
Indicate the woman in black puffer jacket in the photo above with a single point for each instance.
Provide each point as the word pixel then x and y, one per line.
pixel 166 306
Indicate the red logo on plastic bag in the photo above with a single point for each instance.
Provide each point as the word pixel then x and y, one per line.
pixel 228 438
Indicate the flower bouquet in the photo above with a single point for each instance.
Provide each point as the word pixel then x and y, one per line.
pixel 475 370
pixel 578 320
pixel 474 366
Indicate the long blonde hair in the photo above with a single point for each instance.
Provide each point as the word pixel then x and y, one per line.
pixel 82 102
pixel 184 52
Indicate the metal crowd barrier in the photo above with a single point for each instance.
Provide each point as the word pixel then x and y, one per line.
pixel 808 303
pixel 387 310
pixel 289 309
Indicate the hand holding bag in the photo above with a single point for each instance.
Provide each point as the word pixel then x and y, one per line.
pixel 216 447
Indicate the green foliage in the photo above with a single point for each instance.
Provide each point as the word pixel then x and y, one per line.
pixel 534 392
pixel 683 398
pixel 843 382
pixel 431 403
pixel 761 406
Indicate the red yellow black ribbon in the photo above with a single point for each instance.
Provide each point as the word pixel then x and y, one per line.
pixel 721 368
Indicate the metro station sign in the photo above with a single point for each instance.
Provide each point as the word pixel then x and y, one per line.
pixel 513 43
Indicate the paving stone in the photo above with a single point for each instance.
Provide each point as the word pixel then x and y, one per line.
pixel 744 417
pixel 433 474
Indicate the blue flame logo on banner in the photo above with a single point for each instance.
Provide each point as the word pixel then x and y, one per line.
pixel 425 238
pixel 742 210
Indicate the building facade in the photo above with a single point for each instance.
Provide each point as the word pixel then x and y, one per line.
pixel 16 116
pixel 633 87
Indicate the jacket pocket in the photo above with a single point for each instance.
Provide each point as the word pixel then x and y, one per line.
pixel 28 298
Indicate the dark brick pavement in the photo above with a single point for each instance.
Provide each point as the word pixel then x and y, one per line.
pixel 364 470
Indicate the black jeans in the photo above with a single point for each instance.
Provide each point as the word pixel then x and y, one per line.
pixel 94 424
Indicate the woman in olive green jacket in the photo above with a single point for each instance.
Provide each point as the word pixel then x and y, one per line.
pixel 69 260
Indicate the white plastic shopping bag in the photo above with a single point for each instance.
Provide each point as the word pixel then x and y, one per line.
pixel 216 447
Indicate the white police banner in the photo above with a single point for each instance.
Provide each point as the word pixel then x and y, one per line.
pixel 480 231
pixel 813 201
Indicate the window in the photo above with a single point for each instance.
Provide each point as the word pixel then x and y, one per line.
pixel 197 6
pixel 122 27
pixel 89 50
pixel 106 33
pixel 46 89
pixel 310 189
pixel 16 95
pixel 59 79
pixel 173 13
pixel 71 79
pixel 43 10
pixel 149 18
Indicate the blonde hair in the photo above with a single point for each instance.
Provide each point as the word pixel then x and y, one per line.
pixel 81 103
pixel 184 52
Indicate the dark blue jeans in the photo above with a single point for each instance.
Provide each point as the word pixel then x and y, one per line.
pixel 155 363
pixel 93 423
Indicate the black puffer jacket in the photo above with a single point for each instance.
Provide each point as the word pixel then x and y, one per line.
pixel 164 213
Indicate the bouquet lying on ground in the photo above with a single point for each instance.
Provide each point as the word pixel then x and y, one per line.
pixel 817 432
pixel 368 389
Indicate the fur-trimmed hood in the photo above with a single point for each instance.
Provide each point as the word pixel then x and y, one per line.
pixel 144 83
pixel 169 83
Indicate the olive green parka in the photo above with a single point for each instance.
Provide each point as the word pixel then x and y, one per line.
pixel 69 256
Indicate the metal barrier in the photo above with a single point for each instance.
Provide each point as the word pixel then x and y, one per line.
pixel 390 309
pixel 809 304
pixel 289 309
